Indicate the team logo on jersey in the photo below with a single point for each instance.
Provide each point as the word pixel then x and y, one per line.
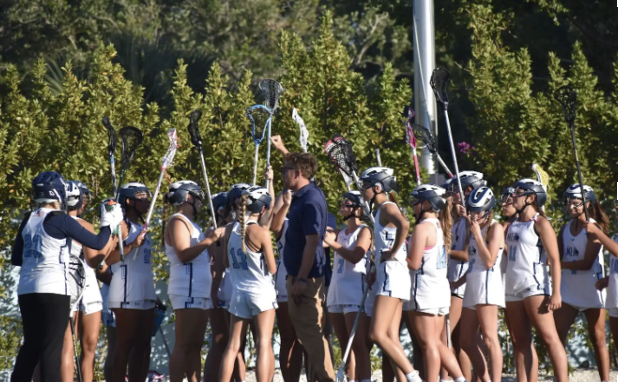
pixel 572 252
pixel 471 251
pixel 513 236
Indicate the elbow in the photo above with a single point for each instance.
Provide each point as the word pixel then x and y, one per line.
pixel 489 264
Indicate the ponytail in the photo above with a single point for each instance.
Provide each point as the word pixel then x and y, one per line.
pixel 596 212
pixel 490 218
pixel 164 220
pixel 243 221
pixel 393 198
pixel 446 221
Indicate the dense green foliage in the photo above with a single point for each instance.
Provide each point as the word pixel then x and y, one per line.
pixel 346 67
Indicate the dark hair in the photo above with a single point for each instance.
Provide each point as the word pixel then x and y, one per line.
pixel 305 162
pixel 596 212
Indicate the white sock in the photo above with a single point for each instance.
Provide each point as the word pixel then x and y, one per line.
pixel 460 379
pixel 353 380
pixel 445 380
pixel 413 377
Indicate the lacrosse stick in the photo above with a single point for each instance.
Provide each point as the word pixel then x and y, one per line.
pixel 304 133
pixel 131 138
pixel 260 117
pixel 165 163
pixel 271 90
pixel 542 177
pixel 378 159
pixel 411 140
pixel 439 80
pixel 75 275
pixel 196 139
pixel 111 148
pixel 341 156
pixel 427 138
pixel 567 97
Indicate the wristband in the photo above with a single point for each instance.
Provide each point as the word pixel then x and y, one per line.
pixel 302 280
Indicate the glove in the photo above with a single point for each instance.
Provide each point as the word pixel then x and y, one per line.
pixel 111 214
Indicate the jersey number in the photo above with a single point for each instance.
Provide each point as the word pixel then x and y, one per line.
pixel 239 259
pixel 441 263
pixel 32 246
pixel 512 253
pixel 340 268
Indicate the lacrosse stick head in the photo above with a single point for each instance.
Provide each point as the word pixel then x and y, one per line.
pixel 567 97
pixel 131 138
pixel 409 115
pixel 341 155
pixel 171 151
pixel 111 135
pixel 304 133
pixel 423 133
pixel 259 115
pixel 194 129
pixel 272 90
pixel 439 81
pixel 541 176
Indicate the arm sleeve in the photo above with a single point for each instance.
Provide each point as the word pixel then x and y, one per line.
pixel 17 251
pixel 61 226
pixel 312 219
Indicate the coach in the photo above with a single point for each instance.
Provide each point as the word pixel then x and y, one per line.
pixel 305 261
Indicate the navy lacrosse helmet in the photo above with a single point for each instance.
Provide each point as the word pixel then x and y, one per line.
pixel 178 192
pixel 481 199
pixel 574 192
pixel 49 187
pixel 219 201
pixel 129 190
pixel 357 201
pixel 472 179
pixel 448 184
pixel 531 186
pixel 430 192
pixel 236 192
pixel 507 193
pixel 382 176
pixel 257 198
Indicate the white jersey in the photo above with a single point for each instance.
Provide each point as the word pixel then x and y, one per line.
pixel 430 286
pixel 527 262
pixel 92 293
pixel 248 269
pixel 226 286
pixel 44 267
pixel 348 282
pixel 132 280
pixel 458 268
pixel 191 279
pixel 384 238
pixel 577 287
pixel 484 285
pixel 282 273
pixel 612 287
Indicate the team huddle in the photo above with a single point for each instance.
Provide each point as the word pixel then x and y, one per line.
pixel 447 279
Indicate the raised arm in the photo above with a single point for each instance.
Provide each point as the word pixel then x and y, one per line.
pixel 495 237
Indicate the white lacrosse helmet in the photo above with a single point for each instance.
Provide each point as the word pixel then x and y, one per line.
pixel 472 179
pixel 430 192
pixel 481 199
pixel 257 198
pixel 574 191
pixel 380 175
pixel 74 196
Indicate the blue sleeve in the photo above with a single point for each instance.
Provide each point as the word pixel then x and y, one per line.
pixel 332 221
pixel 61 226
pixel 313 217
pixel 17 251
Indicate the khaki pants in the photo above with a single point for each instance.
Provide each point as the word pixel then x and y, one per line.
pixel 308 318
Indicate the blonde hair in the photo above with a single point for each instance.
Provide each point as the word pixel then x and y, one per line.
pixel 53 205
pixel 243 222
pixel 446 221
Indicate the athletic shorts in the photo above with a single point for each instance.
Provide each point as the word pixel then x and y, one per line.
pixel 410 306
pixel 613 312
pixel 393 280
pixel 138 305
pixel 345 309
pixel 484 288
pixel 528 292
pixel 247 305
pixel 583 297
pixel 184 302
pixel 93 307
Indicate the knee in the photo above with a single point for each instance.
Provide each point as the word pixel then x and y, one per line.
pixel 491 341
pixel 522 343
pixel 467 342
pixel 89 344
pixel 377 337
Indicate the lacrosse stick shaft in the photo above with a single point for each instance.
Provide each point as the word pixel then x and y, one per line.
pixel 448 331
pixel 207 185
pixel 112 165
pixel 167 347
pixel 378 159
pixel 151 209
pixel 444 166
pixel 255 163
pixel 579 171
pixel 80 378
pixel 359 185
pixel 450 138
pixel 348 347
pixel 418 173
pixel 270 121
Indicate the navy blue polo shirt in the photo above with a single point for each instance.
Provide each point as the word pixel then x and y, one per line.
pixel 307 216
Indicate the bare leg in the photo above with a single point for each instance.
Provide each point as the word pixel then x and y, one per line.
pixel 89 326
pixel 265 365
pixel 596 331
pixel 291 352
